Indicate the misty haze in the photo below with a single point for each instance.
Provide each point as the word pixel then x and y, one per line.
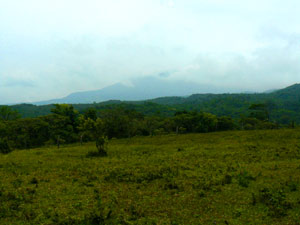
pixel 232 46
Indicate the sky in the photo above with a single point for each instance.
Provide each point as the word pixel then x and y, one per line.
pixel 51 48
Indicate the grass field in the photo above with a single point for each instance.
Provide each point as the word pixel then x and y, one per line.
pixel 239 177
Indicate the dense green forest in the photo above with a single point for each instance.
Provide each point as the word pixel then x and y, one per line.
pixel 283 105
pixel 27 126
pixel 66 125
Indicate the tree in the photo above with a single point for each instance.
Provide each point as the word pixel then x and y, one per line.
pixel 118 122
pixel 67 111
pixel 85 128
pixel 225 123
pixel 207 122
pixel 60 129
pixel 249 123
pixel 3 129
pixel 6 113
pixel 90 128
pixel 186 120
pixel 152 123
pixel 28 133
pixel 259 111
pixel 64 123
pixel 91 113
pixel 94 130
pixel 101 144
pixel 196 122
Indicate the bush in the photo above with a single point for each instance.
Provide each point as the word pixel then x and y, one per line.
pixel 227 179
pixel 244 179
pixel 101 144
pixel 276 202
pixel 4 146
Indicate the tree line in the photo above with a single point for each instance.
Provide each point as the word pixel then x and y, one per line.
pixel 66 125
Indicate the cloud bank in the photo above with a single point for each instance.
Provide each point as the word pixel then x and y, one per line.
pixel 49 49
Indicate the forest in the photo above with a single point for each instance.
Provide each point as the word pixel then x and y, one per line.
pixel 65 125
pixel 283 105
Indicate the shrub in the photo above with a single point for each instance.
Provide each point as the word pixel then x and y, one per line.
pixel 276 202
pixel 4 146
pixel 34 181
pixel 101 144
pixel 227 179
pixel 244 179
pixel 292 186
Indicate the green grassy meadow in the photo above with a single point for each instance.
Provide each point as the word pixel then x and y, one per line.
pixel 235 177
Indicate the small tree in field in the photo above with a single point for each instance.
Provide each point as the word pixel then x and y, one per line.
pixel 101 144
pixel 101 140
pixel 95 129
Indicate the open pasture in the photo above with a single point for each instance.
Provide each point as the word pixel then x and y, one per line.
pixel 234 177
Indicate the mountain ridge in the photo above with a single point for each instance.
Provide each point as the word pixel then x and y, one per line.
pixel 283 104
pixel 138 89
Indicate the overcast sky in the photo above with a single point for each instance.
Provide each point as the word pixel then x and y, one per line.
pixel 50 48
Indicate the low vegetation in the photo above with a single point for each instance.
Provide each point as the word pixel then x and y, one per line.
pixel 232 177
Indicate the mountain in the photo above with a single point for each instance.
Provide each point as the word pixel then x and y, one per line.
pixel 138 89
pixel 283 105
pixel 291 93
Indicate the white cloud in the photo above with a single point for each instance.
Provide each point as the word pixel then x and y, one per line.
pixel 266 68
pixel 75 45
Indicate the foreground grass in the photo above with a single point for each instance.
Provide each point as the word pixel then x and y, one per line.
pixel 218 178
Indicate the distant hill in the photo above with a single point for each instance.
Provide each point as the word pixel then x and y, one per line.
pixel 138 89
pixel 283 105
pixel 291 93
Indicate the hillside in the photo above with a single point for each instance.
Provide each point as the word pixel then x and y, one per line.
pixel 283 105
pixel 218 178
pixel 136 90
pixel 291 93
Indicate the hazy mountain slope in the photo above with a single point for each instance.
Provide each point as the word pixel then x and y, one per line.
pixel 284 105
pixel 138 89
pixel 291 93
